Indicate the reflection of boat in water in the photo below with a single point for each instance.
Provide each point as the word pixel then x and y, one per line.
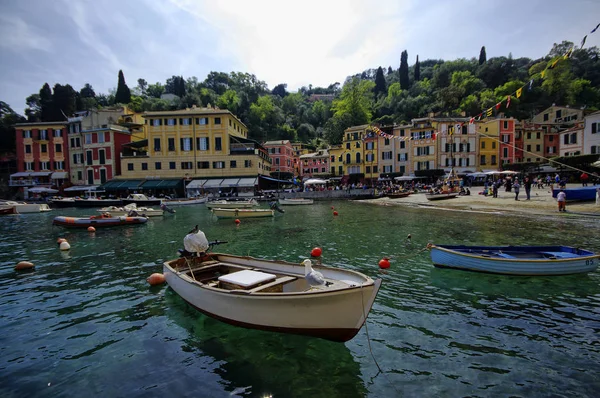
pixel 516 260
pixel 266 362
pixel 97 221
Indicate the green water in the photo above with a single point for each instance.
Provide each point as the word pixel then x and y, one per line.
pixel 86 323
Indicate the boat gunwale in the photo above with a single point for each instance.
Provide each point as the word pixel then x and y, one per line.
pixel 513 260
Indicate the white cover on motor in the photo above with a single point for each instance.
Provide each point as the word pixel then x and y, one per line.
pixel 195 243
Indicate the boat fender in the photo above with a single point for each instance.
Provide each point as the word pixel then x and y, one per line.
pixel 24 265
pixel 156 279
pixel 65 245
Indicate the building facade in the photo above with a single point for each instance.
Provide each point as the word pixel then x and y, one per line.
pixel 591 134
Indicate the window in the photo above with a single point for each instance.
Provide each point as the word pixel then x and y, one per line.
pixel 482 160
pixel 186 144
pixel 528 148
pixel 402 144
pixel 130 166
pixel 505 152
pixel 505 138
pixel 58 148
pixel 550 138
pixel 171 122
pixel 482 144
pixel 566 139
pixel 26 133
pixel 494 145
pixel 573 139
pixel 538 148
pixel 202 120
pixel 538 135
pixel 202 143
pixel 187 165
pixel 247 163
pixel 528 136
pixel 358 144
pixel 172 165
pixel 505 124
pixel 386 141
pixel 156 122
pixel 44 166
pixel 595 127
pixel 27 148
pixel 218 165
pixel 58 133
pixel 88 139
pixel 157 145
pixel 218 144
pixel 171 142
pixel 59 165
pixel 144 166
pixel 233 164
pixel 43 134
pixel 386 155
pixel 204 165
pixel 43 148
pixel 90 160
pixel 545 117
pixel 559 113
pixel 347 145
pixel 185 121
pixel 28 166
pixel 157 165
pixel 217 120
pixel 493 159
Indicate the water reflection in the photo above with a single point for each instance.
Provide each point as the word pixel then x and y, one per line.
pixel 251 361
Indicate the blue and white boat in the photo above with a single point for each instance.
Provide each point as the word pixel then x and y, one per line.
pixel 578 194
pixel 516 260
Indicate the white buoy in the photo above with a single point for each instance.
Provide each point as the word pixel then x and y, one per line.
pixel 65 245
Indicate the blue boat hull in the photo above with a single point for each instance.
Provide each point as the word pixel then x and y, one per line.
pixel 578 194
pixel 516 260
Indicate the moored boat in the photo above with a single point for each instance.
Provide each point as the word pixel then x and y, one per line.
pixel 131 210
pixel 185 202
pixel 441 196
pixel 516 260
pixel 232 204
pixel 274 295
pixel 7 209
pixel 243 213
pixel 295 201
pixel 24 207
pixel 97 221
pixel 84 202
pixel 397 195
pixel 141 200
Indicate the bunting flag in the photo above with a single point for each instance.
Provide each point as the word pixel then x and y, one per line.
pixel 489 112
pixel 498 105
pixel 583 41
pixel 596 28
pixel 507 101
pixel 530 85
pixel 519 92
pixel 543 73
pixel 553 63
pixel 434 135
pixel 472 120
pixel 568 53
pixel 450 130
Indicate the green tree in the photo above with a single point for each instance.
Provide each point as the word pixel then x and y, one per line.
pixel 280 90
pixel 417 70
pixel 8 135
pixel 403 72
pixel 229 100
pixel 380 85
pixel 155 90
pixel 356 100
pixel 482 56
pixel 63 102
pixel 123 95
pixel 34 108
pixel 142 86
pixel 46 105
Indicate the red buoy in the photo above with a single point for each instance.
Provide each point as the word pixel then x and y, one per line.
pixel 237 221
pixel 384 263
pixel 156 279
pixel 335 213
pixel 332 207
pixel 60 240
pixel 316 252
pixel 91 229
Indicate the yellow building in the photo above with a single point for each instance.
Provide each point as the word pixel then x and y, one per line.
pixel 401 148
pixel 336 161
pixel 196 143
pixel 533 143
pixel 488 143
pixel 359 154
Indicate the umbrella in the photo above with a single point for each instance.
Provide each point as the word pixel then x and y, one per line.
pixel 43 190
pixel 596 163
pixel 314 181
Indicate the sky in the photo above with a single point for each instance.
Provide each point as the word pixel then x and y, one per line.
pixel 293 42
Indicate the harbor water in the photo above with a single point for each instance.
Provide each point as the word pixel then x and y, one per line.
pixel 85 322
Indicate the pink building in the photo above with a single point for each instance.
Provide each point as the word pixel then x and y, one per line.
pixel 282 158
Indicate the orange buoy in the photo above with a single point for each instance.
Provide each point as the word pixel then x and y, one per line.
pixel 24 265
pixel 65 245
pixel 335 213
pixel 237 221
pixel 316 252
pixel 60 240
pixel 384 263
pixel 91 229
pixel 156 279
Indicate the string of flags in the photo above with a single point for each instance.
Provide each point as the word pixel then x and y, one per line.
pixel 374 130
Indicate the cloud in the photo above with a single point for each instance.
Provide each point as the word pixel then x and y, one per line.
pixel 17 35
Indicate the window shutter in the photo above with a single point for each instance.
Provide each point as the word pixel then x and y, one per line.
pixel 181 121
pixel 181 144
pixel 594 128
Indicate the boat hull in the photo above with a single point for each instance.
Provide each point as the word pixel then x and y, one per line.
pixel 579 194
pixel 516 260
pixel 243 213
pixel 185 202
pixel 335 315
pixel 97 221
pixel 398 195
pixel 224 204
pixel 301 201
pixel 122 212
pixel 62 203
pixel 441 196
pixel 7 209
pixel 23 207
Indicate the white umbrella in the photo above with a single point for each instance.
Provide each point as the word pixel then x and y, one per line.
pixel 596 163
pixel 43 190
pixel 312 181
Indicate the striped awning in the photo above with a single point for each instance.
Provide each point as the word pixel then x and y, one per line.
pixel 195 184
pixel 247 182
pixel 213 183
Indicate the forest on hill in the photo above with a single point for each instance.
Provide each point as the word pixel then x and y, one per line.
pixel 567 75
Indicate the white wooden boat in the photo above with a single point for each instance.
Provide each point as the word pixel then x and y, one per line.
pixel 516 260
pixel 7 209
pixel 141 200
pixel 185 202
pixel 243 213
pixel 232 204
pixel 131 210
pixel 274 295
pixel 295 201
pixel 441 196
pixel 23 207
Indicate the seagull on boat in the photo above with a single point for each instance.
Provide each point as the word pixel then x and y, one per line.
pixel 314 278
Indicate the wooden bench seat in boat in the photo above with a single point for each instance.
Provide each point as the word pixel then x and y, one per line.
pixel 275 286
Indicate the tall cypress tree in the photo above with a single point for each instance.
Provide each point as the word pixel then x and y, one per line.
pixel 380 86
pixel 417 70
pixel 404 82
pixel 482 56
pixel 46 104
pixel 123 95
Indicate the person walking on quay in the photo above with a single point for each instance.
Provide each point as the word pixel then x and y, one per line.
pixel 528 188
pixel 495 189
pixel 561 198
pixel 516 187
pixel 584 179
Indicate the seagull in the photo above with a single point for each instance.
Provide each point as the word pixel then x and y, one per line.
pixel 314 278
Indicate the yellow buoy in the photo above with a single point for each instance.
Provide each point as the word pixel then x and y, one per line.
pixel 24 265
pixel 91 229
pixel 65 245
pixel 156 279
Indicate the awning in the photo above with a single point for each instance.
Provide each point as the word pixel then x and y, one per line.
pixel 247 182
pixel 230 182
pixel 111 185
pixel 195 184
pixel 137 144
pixel 121 185
pixel 58 175
pixel 212 183
pixel 20 174
pixel 130 184
pixel 276 180
pixel 40 173
pixel 81 188
pixel 160 184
